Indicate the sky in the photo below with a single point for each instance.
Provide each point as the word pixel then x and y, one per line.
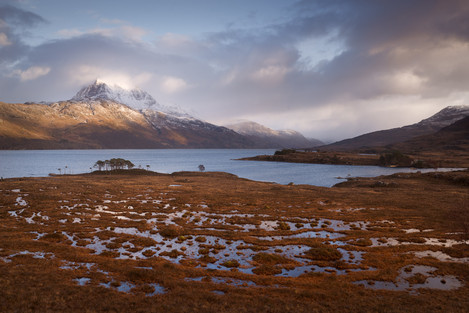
pixel 331 69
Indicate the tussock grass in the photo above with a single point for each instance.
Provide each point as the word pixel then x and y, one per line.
pixel 31 282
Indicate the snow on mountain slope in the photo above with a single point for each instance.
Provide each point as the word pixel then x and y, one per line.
pixel 136 99
pixel 269 138
pixel 447 116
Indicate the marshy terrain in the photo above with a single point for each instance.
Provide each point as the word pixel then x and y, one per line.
pixel 206 242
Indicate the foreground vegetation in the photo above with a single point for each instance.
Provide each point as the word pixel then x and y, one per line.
pixel 212 242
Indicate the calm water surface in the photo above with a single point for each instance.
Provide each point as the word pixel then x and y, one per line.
pixel 42 162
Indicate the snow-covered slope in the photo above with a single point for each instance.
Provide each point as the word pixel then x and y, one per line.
pixel 447 116
pixel 136 99
pixel 268 138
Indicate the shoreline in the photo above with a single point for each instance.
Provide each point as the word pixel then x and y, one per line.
pixel 143 172
pixel 389 160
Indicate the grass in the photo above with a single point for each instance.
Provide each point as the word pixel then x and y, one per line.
pixel 170 231
pixel 38 282
pixel 322 252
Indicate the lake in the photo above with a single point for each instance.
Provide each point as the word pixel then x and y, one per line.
pixel 37 163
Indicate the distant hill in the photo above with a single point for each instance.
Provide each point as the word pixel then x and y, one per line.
pixel 454 137
pixel 264 137
pixel 386 138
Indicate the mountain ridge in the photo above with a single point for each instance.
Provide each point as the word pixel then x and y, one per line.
pixel 369 142
pixel 269 138
pixel 103 124
pixel 100 116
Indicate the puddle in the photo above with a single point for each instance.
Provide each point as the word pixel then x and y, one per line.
pixel 104 209
pixel 388 242
pixel 421 274
pixel 82 281
pixel 308 234
pixel 218 292
pixel 414 230
pixel 440 256
pixel 38 235
pixel 30 220
pixel 74 266
pixel 21 202
pixel 158 290
pixel 15 213
pixel 335 225
pixel 127 287
pixel 35 255
pixel 212 250
pixel 225 280
pixel 121 287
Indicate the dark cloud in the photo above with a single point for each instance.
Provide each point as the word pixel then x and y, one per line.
pixel 389 47
pixel 19 18
pixel 14 24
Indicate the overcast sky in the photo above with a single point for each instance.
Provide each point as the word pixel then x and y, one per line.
pixel 331 69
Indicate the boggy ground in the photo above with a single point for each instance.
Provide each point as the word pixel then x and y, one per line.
pixel 212 242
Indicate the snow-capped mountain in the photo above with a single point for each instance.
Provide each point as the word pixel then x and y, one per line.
pixel 100 116
pixel 266 137
pixel 447 116
pixel 136 98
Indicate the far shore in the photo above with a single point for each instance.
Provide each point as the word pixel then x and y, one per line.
pixel 392 159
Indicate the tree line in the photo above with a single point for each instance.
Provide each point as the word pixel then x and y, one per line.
pixel 113 164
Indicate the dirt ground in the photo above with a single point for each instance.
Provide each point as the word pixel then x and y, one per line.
pixel 212 242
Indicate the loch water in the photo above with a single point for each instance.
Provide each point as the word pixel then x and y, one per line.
pixel 38 163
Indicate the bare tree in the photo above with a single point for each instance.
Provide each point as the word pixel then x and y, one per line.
pixel 100 165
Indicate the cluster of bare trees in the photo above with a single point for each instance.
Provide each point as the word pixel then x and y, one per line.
pixel 113 164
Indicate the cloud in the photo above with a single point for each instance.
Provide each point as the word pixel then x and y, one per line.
pixel 19 18
pixel 31 73
pixel 270 74
pixel 330 68
pixel 123 31
pixel 84 74
pixel 173 84
pixel 4 41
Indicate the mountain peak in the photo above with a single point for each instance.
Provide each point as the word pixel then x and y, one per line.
pixel 135 98
pixel 446 116
pixel 99 90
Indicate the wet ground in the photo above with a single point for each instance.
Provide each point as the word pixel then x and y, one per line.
pixel 257 235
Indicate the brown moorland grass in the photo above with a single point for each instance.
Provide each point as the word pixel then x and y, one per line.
pixel 110 232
